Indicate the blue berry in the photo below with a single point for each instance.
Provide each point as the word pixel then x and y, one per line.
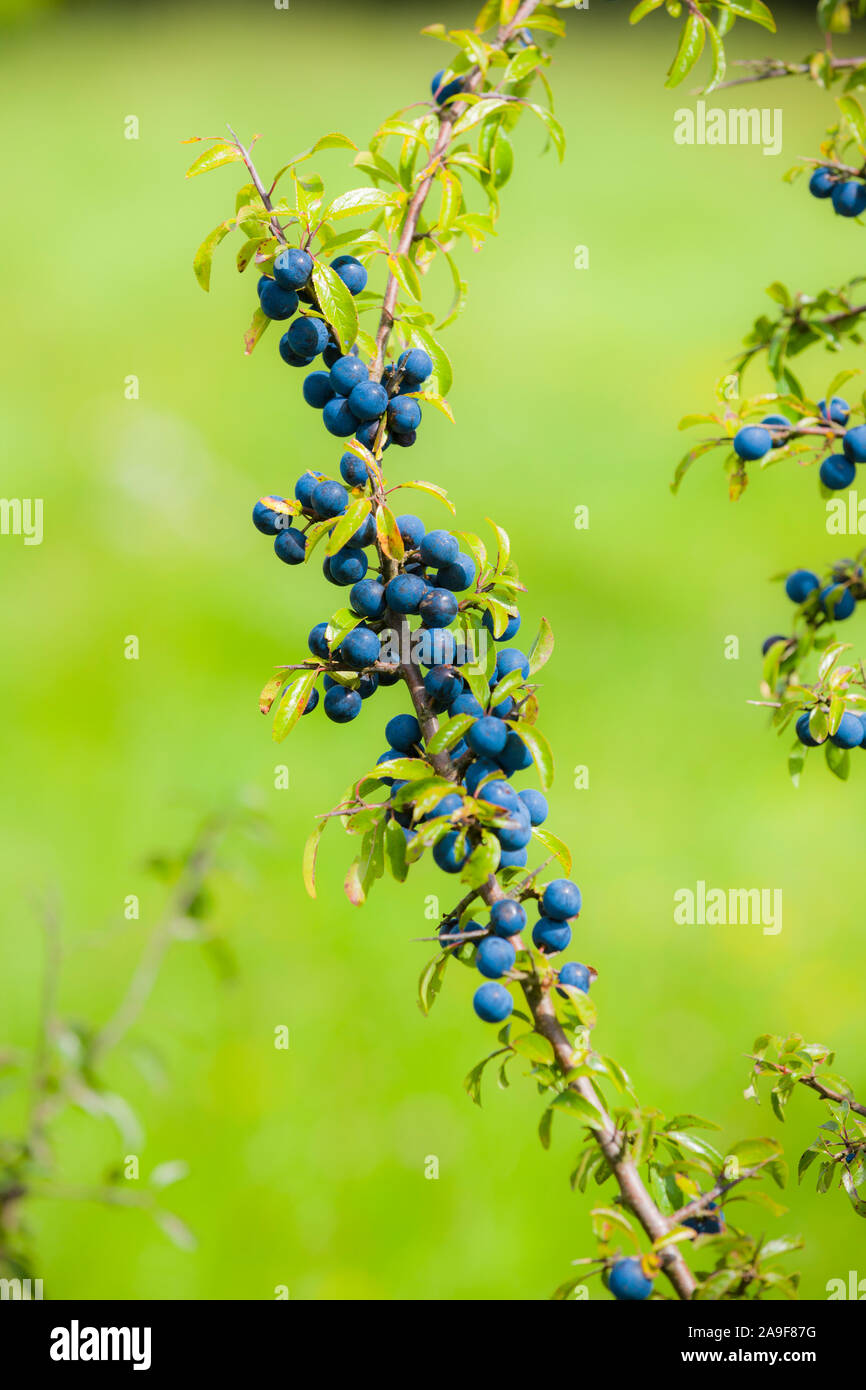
pixel 351 272
pixel 551 937
pixel 439 607
pixel 438 548
pixel 486 737
pixel 497 792
pixel 821 183
pixel 854 444
pixel 476 771
pixel 492 1003
pixel 837 472
pixel 465 704
pixel 367 598
pixel 627 1281
pixel 318 390
pixel 517 833
pixel 312 701
pixel 515 757
pixel 354 470
pixel 769 642
pixel 404 593
pixel 839 410
pixel 838 602
pixel 266 520
pixel 511 631
pixel 450 89
pixel 368 400
pixel 415 364
pixel 507 917
pixel 291 546
pixel 403 439
pixel 576 976
pixel 317 642
pixel 404 414
pixel 752 442
pixel 411 528
pixel 329 499
pixel 446 807
pixel 804 733
pixel 443 684
pixel 292 268
pixel 360 647
pixel 339 418
pixel 305 487
pixel 850 731
pixel 561 900
pixel 403 732
pixel 513 859
pixel 510 659
pixel 849 199
pixel 458 576
pixel 494 956
pixel 276 302
pixel 292 358
pixel 347 373
pixel 308 337
pixel 800 584
pixel 342 705
pixel 347 566
pixel 535 804
pixel 445 853
pixel 366 435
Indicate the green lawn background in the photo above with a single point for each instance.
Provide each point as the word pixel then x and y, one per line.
pixel 308 1165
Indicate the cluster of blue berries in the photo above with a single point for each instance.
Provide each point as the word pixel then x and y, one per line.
pixel 836 600
pixel 496 953
pixel 753 442
pixel 848 195
pixel 350 402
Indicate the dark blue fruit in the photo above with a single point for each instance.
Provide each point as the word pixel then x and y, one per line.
pixel 318 390
pixel 404 593
pixel 494 956
pixel 339 418
pixel 839 410
pixel 576 976
pixel 821 183
pixel 550 937
pixel 266 520
pixel 367 598
pixel 342 705
pixel 359 648
pixel 445 853
pixel 804 734
pixel 854 444
pixel 438 548
pixel 403 732
pixel 317 642
pixel 404 414
pixel 487 736
pixel 561 900
pixel 507 917
pixel 838 602
pixel 800 584
pixel 492 1003
pixel 850 731
pixel 354 470
pixel 535 804
pixel 329 499
pixel 438 607
pixel 837 472
pixel 627 1281
pixel 368 400
pixel 308 336
pixel 511 631
pixel 292 268
pixel 347 566
pixel 411 528
pixel 849 200
pixel 415 364
pixel 291 546
pixel 449 90
pixel 351 272
pixel 515 757
pixel 347 373
pixel 276 302
pixel 752 442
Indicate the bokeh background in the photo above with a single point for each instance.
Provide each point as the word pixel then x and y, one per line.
pixel 307 1166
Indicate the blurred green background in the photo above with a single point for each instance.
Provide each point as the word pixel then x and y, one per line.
pixel 308 1165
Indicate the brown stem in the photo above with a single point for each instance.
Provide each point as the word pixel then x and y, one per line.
pixel 260 187
pixel 447 118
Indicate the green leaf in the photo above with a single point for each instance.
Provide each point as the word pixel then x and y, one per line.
pixel 388 533
pixel 450 734
pixel 554 845
pixel 838 760
pixel 353 518
pixel 256 329
pixel 433 490
pixel 311 853
pixel 359 200
pixel 430 983
pixel 336 303
pixel 553 127
pixel 482 862
pixel 292 705
pixel 203 258
pixel 443 373
pixel 689 51
pixel 534 1048
pixel 581 1109
pixel 644 8
pixel 221 153
pixel 542 648
pixel 478 111
pixel 395 851
pixel 542 754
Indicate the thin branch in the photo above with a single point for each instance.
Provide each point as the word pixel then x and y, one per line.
pixel 700 1204
pixel 447 119
pixel 259 186
pixel 772 67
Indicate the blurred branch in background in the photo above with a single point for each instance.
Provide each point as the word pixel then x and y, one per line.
pixel 68 1056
